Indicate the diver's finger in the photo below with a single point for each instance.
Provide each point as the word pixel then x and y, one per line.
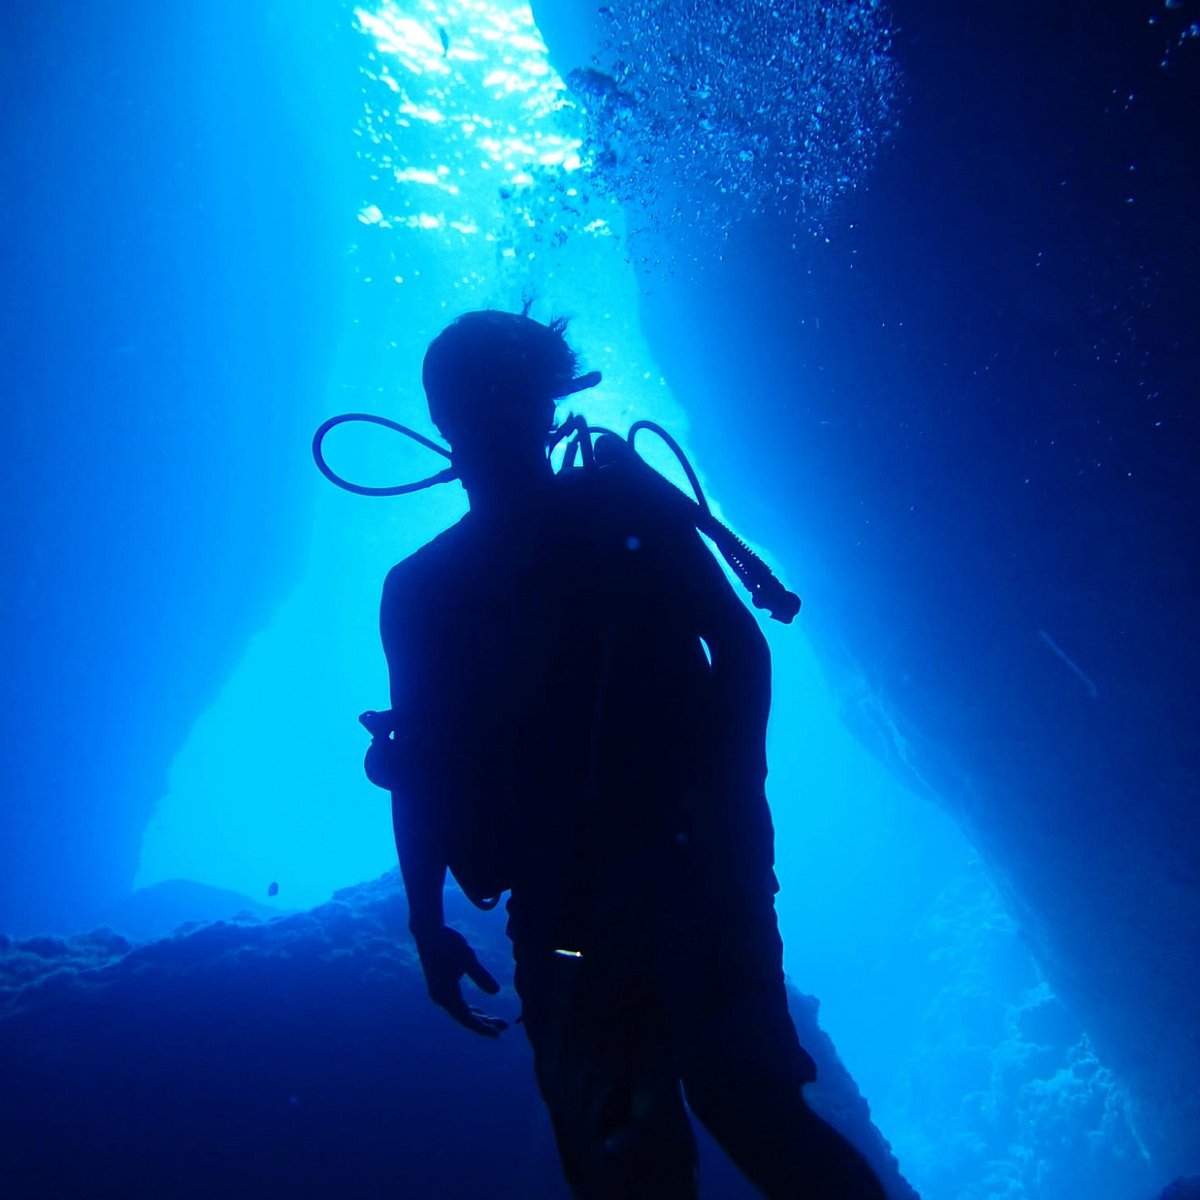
pixel 469 1018
pixel 479 975
pixel 476 1022
pixel 498 1023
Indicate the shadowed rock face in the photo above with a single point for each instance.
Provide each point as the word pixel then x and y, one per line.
pixel 297 1057
pixel 974 434
pixel 1182 1189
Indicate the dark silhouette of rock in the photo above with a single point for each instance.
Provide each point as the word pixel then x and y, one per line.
pixel 1182 1189
pixel 293 1057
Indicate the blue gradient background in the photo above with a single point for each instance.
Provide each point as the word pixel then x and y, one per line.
pixel 955 405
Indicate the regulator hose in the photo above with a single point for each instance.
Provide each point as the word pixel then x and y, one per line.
pixel 766 591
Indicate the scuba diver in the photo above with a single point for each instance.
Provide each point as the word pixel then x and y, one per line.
pixel 579 708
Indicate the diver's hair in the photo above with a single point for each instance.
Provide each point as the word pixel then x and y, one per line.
pixel 492 367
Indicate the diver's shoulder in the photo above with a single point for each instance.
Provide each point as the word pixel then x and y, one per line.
pixel 436 557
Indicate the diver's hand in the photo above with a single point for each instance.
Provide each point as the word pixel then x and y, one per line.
pixel 445 959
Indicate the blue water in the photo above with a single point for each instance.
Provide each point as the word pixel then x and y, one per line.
pixel 913 284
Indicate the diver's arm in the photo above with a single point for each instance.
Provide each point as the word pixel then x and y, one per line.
pixel 422 867
pixel 708 605
pixel 741 659
pixel 741 676
pixel 741 665
pixel 422 863
pixel 444 953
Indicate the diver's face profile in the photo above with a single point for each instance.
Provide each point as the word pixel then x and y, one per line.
pixel 494 458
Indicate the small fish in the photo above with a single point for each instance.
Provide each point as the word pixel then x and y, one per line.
pixel 445 40
pixel 273 889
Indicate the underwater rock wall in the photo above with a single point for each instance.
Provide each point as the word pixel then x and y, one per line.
pixel 298 1057
pixel 969 404
pixel 170 298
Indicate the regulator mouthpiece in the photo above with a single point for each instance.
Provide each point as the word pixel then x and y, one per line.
pixel 590 380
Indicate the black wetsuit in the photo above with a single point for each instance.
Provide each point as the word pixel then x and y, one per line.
pixel 579 747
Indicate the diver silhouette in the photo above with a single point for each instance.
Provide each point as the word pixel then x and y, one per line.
pixel 580 703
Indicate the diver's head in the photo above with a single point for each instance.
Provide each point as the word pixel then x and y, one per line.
pixel 492 379
pixel 497 374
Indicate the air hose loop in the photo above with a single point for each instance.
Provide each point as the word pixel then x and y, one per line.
pixel 677 449
pixel 403 489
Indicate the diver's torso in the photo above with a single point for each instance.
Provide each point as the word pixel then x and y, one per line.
pixel 561 677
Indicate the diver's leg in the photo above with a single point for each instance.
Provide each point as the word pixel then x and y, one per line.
pixel 744 1069
pixel 757 1113
pixel 603 1067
